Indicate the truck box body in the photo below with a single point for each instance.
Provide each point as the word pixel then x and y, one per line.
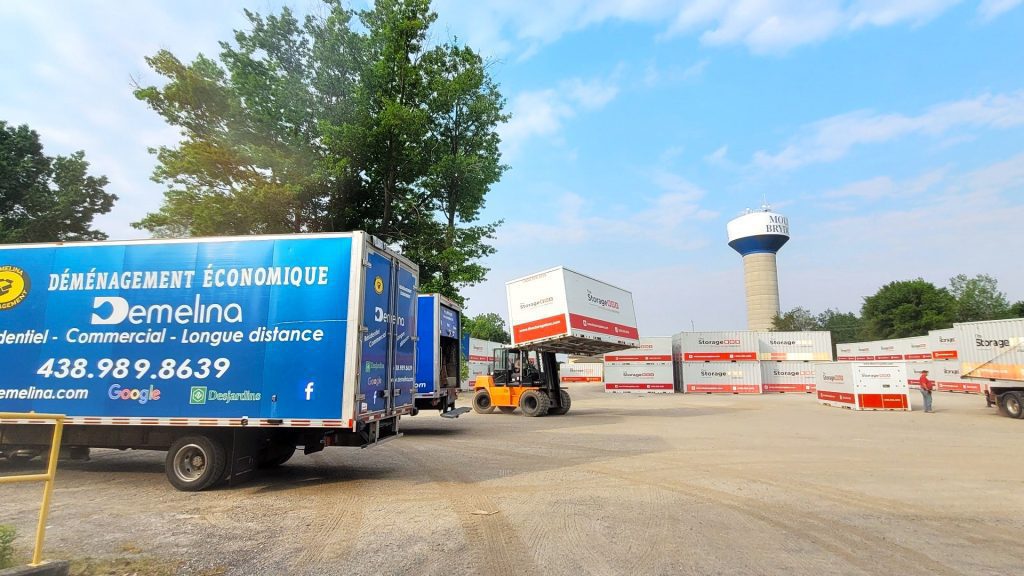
pixel 305 330
pixel 438 354
pixel 646 368
pixel 862 386
pixel 580 372
pixel 801 346
pixel 721 377
pixel 718 346
pixel 942 344
pixel 787 376
pixel 991 350
pixel 562 311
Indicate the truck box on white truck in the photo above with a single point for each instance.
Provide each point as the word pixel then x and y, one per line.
pixel 991 354
pixel 227 352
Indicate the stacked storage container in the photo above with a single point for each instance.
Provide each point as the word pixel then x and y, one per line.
pixel 787 359
pixel 946 363
pixel 479 357
pixel 717 362
pixel 646 368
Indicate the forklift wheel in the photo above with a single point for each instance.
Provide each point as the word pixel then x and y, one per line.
pixel 534 403
pixel 566 403
pixel 482 402
pixel 507 409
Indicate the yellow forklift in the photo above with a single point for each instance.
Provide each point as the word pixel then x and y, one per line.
pixel 524 379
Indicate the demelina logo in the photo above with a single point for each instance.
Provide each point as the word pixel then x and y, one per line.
pixel 14 286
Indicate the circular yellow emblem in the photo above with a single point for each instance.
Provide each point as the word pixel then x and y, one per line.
pixel 378 285
pixel 14 286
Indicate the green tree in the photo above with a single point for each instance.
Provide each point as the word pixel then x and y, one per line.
pixel 796 320
pixel 343 121
pixel 1017 309
pixel 907 308
pixel 978 298
pixel 844 326
pixel 461 146
pixel 489 326
pixel 44 198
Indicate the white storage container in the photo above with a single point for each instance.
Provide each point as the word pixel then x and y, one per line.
pixel 581 372
pixel 646 368
pixel 719 346
pixel 804 346
pixel 857 351
pixel 943 344
pixel 481 355
pixel 722 377
pixel 559 310
pixel 787 377
pixel 991 350
pixel 862 386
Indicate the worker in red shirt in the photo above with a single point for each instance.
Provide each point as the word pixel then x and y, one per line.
pixel 926 390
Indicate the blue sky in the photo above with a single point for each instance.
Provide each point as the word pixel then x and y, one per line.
pixel 891 133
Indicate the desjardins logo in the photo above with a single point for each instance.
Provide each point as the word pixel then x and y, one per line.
pixel 197 395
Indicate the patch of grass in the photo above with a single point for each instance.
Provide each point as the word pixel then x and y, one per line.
pixel 7 535
pixel 124 567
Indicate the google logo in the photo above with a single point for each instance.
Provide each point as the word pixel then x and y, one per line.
pixel 140 395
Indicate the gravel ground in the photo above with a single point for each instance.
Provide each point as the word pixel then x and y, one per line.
pixel 667 484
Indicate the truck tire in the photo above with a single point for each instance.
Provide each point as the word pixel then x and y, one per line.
pixel 1013 404
pixel 534 403
pixel 195 463
pixel 507 409
pixel 566 403
pixel 482 402
pixel 275 454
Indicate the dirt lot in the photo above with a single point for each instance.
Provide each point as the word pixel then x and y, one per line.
pixel 674 484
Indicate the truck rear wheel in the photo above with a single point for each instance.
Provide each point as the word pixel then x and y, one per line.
pixel 1013 404
pixel 195 463
pixel 566 401
pixel 482 402
pixel 534 403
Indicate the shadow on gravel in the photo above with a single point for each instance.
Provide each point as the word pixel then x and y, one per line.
pixel 303 475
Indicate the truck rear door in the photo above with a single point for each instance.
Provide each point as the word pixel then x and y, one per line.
pixel 404 367
pixel 377 335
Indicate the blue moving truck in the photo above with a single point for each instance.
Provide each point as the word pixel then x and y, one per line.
pixel 229 353
pixel 438 355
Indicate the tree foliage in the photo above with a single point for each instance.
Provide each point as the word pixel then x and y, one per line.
pixel 978 298
pixel 340 122
pixel 489 326
pixel 796 320
pixel 907 308
pixel 1017 309
pixel 44 198
pixel 843 326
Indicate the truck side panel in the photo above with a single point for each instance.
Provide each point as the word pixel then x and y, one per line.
pixel 376 356
pixel 427 332
pixel 200 329
pixel 404 376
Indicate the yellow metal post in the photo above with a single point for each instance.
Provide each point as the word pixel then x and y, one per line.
pixel 47 478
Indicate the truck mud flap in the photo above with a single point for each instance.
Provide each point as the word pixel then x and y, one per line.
pixel 455 412
pixel 242 463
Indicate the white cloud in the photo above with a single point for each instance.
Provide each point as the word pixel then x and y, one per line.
pixel 542 113
pixel 655 75
pixel 884 187
pixel 718 157
pixel 501 27
pixel 830 139
pixel 990 9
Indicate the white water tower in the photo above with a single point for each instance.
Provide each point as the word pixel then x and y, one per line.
pixel 757 236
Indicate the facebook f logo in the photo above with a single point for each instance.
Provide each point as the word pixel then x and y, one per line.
pixel 309 390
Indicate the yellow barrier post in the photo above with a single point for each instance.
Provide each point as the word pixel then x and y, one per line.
pixel 47 478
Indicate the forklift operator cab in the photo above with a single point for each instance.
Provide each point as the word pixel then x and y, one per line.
pixel 524 379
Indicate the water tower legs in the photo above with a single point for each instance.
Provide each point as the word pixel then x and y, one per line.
pixel 761 278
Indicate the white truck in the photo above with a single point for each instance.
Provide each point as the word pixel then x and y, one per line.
pixel 992 354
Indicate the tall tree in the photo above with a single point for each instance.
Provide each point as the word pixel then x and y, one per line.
pixel 340 122
pixel 1017 309
pixel 43 198
pixel 461 147
pixel 844 326
pixel 907 308
pixel 978 298
pixel 796 320
pixel 487 326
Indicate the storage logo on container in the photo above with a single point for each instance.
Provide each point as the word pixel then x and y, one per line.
pixel 606 303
